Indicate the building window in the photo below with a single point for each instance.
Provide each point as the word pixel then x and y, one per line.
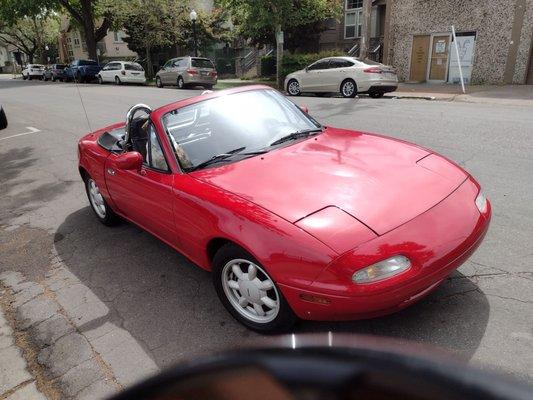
pixel 353 21
pixel 353 4
pixel 118 37
pixel 76 41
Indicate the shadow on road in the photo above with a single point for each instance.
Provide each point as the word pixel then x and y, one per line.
pixel 170 307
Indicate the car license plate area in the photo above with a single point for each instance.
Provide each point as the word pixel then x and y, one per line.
pixel 204 73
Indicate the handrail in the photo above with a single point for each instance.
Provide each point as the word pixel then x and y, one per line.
pixel 353 50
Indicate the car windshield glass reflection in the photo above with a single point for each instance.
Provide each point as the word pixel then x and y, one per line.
pixel 252 119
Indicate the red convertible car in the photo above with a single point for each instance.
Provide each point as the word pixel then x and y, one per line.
pixel 294 219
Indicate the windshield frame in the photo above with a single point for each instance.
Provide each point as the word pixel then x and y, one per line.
pixel 170 138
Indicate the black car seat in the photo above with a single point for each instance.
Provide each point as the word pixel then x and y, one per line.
pixel 139 135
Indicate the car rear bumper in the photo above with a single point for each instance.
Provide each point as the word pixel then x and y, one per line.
pixel 133 79
pixel 199 80
pixel 382 88
pixel 434 257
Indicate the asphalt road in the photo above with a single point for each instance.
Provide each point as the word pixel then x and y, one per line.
pixel 483 313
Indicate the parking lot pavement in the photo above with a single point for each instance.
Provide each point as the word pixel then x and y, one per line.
pixel 166 308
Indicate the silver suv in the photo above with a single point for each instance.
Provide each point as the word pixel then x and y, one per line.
pixel 187 71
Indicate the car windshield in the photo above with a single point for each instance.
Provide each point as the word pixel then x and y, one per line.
pixel 201 63
pixel 249 121
pixel 133 67
pixel 87 62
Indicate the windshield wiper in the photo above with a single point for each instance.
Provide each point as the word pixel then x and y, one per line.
pixel 216 158
pixel 296 135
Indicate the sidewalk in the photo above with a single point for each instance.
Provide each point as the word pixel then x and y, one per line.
pixel 488 94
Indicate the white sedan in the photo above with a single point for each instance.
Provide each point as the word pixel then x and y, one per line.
pixel 32 71
pixel 347 75
pixel 122 72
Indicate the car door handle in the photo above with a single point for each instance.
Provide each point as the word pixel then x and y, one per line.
pixel 111 171
pixel 143 172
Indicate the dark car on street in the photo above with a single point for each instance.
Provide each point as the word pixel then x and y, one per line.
pixel 55 72
pixel 82 71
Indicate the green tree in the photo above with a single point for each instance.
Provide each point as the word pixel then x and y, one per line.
pixel 30 35
pixel 300 20
pixel 155 24
pixel 94 17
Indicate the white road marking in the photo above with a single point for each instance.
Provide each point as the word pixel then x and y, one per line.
pixel 31 130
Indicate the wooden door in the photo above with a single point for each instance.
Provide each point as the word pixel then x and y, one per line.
pixel 439 58
pixel 419 58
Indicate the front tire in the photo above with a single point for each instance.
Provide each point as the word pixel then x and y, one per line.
pixel 248 292
pixel 118 81
pixel 158 82
pixel 293 88
pixel 101 209
pixel 181 83
pixel 348 88
pixel 100 80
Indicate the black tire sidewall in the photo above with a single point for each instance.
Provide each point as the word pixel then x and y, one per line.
pixel 285 318
pixel 299 90
pixel 110 217
pixel 355 89
pixel 182 83
pixel 158 82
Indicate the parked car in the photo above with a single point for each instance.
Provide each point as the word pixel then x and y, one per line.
pixel 82 70
pixel 187 71
pixel 347 75
pixel 55 72
pixel 293 218
pixel 3 118
pixel 33 71
pixel 122 72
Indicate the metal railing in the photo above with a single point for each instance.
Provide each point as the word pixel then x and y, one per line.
pixel 354 51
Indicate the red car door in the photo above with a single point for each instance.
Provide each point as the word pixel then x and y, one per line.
pixel 145 196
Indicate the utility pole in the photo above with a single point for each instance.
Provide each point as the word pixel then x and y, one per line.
pixel 279 56
pixel 366 32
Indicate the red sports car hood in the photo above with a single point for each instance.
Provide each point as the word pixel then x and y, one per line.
pixel 375 179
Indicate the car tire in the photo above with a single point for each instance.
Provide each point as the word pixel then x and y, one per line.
pixel 100 80
pixel 118 81
pixel 101 209
pixel 180 83
pixel 158 82
pixel 208 87
pixel 53 78
pixel 79 78
pixel 293 88
pixel 24 77
pixel 376 95
pixel 348 88
pixel 278 315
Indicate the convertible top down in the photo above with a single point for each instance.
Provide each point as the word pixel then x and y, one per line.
pixel 294 219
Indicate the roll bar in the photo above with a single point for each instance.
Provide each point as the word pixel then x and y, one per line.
pixel 129 118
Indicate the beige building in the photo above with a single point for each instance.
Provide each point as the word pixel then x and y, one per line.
pixel 72 46
pixel 495 38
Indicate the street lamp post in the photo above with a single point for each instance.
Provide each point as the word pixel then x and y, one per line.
pixel 193 16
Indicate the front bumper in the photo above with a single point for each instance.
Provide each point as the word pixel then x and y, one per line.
pixel 437 242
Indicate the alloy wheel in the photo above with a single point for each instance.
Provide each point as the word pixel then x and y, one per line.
pixel 294 88
pixel 250 290
pixel 96 199
pixel 348 89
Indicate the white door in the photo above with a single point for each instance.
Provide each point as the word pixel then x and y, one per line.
pixel 313 78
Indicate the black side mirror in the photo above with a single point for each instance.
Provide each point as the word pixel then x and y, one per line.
pixel 3 119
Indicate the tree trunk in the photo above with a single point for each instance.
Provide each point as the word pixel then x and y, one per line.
pixel 366 32
pixel 88 28
pixel 279 58
pixel 149 68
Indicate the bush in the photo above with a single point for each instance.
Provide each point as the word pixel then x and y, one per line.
pixel 268 66
pixel 295 62
pixel 225 66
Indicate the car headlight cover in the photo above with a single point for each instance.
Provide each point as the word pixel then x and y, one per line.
pixel 481 202
pixel 382 270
